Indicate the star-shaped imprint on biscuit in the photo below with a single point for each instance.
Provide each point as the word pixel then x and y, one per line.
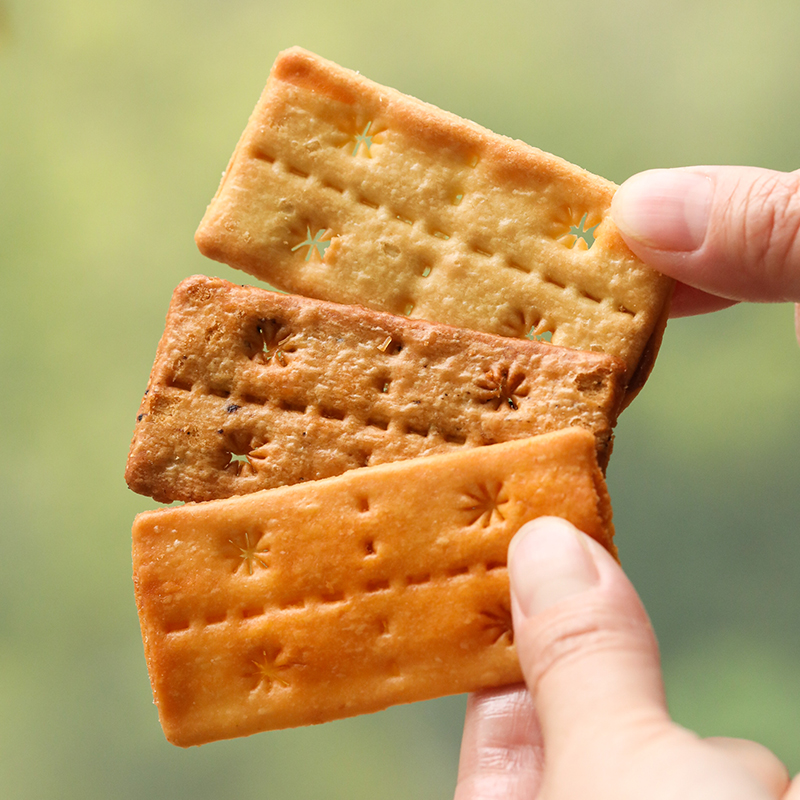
pixel 539 334
pixel 276 343
pixel 257 458
pixel 502 386
pixel 361 142
pixel 239 464
pixel 245 464
pixel 252 554
pixel 497 623
pixel 573 230
pixel 270 668
pixel 517 322
pixel 483 503
pixel 314 243
pixel 362 138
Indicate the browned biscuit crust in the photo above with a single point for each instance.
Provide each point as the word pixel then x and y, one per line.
pixel 313 602
pixel 349 191
pixel 252 389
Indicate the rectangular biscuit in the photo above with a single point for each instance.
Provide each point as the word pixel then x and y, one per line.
pixel 252 389
pixel 349 191
pixel 339 597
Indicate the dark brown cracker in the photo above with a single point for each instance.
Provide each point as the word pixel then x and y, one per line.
pixel 253 389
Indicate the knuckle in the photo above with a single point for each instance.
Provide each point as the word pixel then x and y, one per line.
pixel 769 221
pixel 569 641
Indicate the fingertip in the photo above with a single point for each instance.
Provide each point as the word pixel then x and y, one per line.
pixel 549 561
pixel 664 209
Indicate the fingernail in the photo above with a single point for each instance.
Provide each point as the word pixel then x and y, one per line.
pixel 548 561
pixel 666 209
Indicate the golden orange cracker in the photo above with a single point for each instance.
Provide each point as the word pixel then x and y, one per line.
pixel 252 389
pixel 338 597
pixel 349 191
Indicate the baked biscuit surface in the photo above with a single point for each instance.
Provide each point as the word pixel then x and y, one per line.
pixel 339 597
pixel 252 389
pixel 349 191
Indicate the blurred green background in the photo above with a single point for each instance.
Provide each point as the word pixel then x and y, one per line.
pixel 116 120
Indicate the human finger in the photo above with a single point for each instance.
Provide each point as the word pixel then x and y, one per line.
pixel 759 760
pixel 797 322
pixel 794 790
pixel 501 749
pixel 584 641
pixel 733 232
pixel 688 301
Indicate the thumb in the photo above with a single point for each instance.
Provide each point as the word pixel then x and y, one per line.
pixel 584 641
pixel 733 232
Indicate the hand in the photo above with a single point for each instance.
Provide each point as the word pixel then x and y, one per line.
pixel 725 233
pixel 593 722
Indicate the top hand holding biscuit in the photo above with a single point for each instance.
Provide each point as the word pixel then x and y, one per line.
pixel 739 242
pixel 727 234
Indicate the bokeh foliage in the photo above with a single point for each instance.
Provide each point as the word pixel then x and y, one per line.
pixel 116 119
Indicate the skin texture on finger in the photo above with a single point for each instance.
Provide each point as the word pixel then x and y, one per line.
pixel 757 759
pixel 733 232
pixel 501 751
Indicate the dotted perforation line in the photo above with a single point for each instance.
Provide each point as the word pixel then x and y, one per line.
pixel 397 426
pixel 374 586
pixel 610 303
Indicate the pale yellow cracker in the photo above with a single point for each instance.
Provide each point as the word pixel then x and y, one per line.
pixel 349 191
pixel 253 389
pixel 323 600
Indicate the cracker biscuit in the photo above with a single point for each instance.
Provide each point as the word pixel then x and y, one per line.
pixel 252 389
pixel 339 597
pixel 349 191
